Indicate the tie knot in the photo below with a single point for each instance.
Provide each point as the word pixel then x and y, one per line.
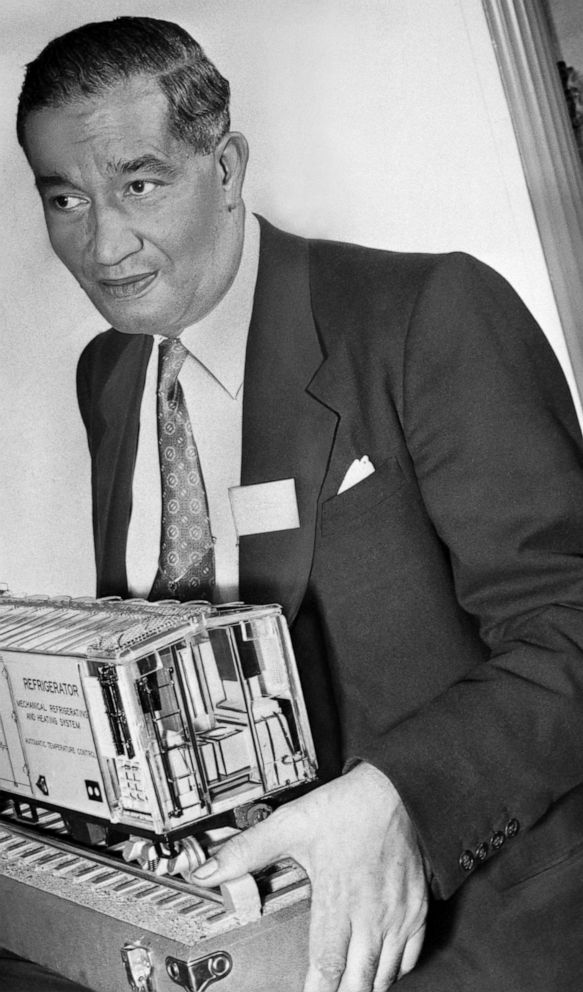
pixel 171 359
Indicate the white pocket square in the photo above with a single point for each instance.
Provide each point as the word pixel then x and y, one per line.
pixel 360 469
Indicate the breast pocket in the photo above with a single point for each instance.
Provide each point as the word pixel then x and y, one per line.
pixel 361 500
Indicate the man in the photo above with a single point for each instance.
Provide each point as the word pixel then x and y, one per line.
pixel 384 444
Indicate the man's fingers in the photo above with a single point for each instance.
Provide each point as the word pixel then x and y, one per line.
pixel 362 960
pixel 329 940
pixel 359 962
pixel 248 851
pixel 374 963
pixel 356 959
pixel 325 971
pixel 387 965
pixel 411 952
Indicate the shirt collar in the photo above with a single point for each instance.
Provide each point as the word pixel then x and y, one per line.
pixel 219 340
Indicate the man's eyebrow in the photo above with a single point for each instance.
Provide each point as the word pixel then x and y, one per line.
pixel 52 181
pixel 144 163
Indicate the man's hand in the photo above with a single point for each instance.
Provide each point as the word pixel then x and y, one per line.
pixel 355 840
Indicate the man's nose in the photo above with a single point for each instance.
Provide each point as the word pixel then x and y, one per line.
pixel 113 236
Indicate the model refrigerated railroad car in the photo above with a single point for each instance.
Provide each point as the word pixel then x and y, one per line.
pixel 154 718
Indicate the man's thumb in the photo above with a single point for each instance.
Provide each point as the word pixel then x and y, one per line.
pixel 248 851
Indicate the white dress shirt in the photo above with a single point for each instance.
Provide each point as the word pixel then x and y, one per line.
pixel 212 383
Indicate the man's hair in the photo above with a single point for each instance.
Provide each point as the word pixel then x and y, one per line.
pixel 89 60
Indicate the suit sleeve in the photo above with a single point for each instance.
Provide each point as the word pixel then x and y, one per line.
pixel 497 451
pixel 83 385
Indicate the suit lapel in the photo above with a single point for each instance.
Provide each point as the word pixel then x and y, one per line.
pixel 115 454
pixel 287 433
pixel 290 404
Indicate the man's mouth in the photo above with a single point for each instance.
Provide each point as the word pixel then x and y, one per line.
pixel 129 287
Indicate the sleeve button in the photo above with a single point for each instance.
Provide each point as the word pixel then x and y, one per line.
pixel 482 851
pixel 466 861
pixel 497 840
pixel 512 828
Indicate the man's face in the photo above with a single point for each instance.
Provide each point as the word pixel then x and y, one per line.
pixel 138 218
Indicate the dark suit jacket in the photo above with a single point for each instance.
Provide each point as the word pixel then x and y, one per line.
pixel 437 605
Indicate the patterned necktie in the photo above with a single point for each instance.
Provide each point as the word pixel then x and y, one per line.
pixel 186 568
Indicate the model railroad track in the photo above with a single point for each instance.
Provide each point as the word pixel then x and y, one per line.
pixel 43 848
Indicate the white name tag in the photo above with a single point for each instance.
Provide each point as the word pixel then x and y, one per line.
pixel 265 507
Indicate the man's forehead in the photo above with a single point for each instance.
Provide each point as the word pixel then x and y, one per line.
pixel 126 128
pixel 138 100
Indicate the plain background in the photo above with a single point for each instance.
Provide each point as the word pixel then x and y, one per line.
pixel 567 17
pixel 376 121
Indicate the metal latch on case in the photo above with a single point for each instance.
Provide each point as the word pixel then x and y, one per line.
pixel 136 958
pixel 196 976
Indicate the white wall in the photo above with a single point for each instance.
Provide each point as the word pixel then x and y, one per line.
pixel 378 121
pixel 567 18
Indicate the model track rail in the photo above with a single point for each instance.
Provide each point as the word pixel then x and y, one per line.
pixel 34 838
pixel 42 855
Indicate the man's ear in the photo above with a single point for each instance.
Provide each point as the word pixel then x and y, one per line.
pixel 231 155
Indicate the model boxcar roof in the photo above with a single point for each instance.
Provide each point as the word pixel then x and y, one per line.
pixel 63 625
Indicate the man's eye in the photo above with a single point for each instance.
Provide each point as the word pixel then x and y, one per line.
pixel 65 202
pixel 141 187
